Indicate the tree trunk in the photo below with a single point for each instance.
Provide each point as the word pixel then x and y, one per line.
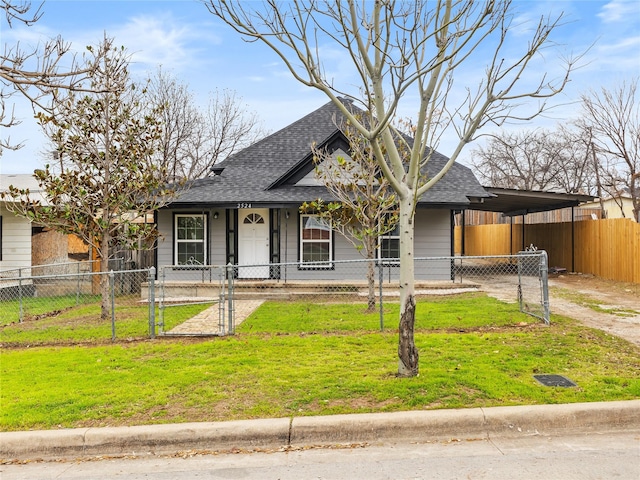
pixel 104 289
pixel 106 221
pixel 407 351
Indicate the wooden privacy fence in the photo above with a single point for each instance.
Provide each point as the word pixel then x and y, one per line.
pixel 606 248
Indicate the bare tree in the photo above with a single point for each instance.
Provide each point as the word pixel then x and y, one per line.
pixel 108 181
pixel 612 119
pixel 36 72
pixel 229 126
pixel 574 153
pixel 557 160
pixel 181 120
pixel 194 139
pixel 395 46
pixel 365 208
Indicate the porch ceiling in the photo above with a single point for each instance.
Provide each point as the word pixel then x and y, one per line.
pixel 520 202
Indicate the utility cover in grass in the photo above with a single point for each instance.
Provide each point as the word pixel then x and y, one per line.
pixel 554 381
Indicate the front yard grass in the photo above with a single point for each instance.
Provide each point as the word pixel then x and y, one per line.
pixel 296 358
pixel 81 324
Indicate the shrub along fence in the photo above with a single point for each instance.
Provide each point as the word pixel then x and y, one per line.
pixel 607 248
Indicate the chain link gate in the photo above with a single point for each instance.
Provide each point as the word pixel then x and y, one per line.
pixel 181 285
pixel 532 262
pixel 522 277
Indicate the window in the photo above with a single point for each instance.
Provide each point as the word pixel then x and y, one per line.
pixel 390 246
pixel 315 242
pixel 253 218
pixel 190 239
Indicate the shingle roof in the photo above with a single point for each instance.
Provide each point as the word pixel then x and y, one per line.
pixel 246 176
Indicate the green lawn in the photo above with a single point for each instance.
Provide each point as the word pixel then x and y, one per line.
pixel 82 324
pixel 299 359
pixel 37 307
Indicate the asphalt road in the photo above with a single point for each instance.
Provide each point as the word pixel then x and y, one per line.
pixel 584 457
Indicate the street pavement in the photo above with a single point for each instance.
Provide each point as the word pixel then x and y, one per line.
pixel 595 456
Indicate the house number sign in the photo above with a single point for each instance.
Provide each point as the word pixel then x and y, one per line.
pixel 243 205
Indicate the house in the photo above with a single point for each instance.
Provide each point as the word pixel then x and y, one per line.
pixel 618 207
pixel 15 233
pixel 23 244
pixel 247 211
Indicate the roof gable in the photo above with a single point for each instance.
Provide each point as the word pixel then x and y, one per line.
pixel 306 167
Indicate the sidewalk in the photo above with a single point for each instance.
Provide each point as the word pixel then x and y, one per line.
pixel 413 426
pixel 207 321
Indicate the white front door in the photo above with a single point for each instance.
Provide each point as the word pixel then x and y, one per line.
pixel 253 243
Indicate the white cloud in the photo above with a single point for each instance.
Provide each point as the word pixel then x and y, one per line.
pixel 152 40
pixel 619 11
pixel 164 40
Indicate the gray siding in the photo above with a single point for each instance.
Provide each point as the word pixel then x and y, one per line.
pixel 432 239
pixel 217 237
pixel 165 240
pixel 432 233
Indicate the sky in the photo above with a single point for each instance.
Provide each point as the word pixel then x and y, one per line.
pixel 187 41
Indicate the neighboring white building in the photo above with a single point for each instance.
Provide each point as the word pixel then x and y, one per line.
pixel 621 207
pixel 15 231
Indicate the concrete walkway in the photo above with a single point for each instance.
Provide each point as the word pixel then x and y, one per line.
pixel 207 321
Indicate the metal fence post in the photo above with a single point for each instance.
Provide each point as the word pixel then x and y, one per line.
pixel 380 281
pixel 520 293
pixel 21 313
pixel 230 315
pixel 163 271
pixel 113 305
pixel 151 278
pixel 222 282
pixel 544 279
pixel 78 287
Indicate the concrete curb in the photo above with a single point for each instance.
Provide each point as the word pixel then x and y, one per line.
pixel 416 426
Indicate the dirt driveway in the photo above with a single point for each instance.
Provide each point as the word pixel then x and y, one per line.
pixel 613 307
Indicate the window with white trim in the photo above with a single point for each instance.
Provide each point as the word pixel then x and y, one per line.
pixel 315 242
pixel 389 250
pixel 190 239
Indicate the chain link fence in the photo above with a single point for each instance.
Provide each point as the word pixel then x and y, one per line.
pixel 68 268
pixel 24 299
pixel 204 300
pixel 518 278
pixel 522 278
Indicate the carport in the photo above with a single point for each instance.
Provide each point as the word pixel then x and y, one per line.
pixel 512 203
